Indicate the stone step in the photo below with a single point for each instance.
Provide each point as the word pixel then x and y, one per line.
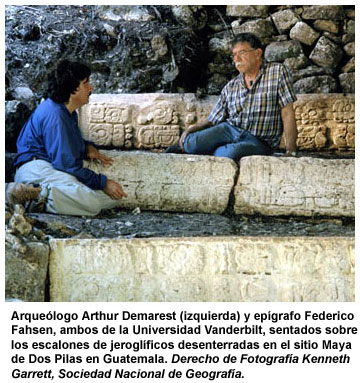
pixel 262 184
pixel 295 186
pixel 156 120
pixel 171 182
pixel 238 269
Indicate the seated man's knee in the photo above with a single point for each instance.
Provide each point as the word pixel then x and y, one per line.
pixel 190 144
pixel 75 200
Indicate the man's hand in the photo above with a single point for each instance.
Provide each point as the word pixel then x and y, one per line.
pixel 114 190
pixel 93 154
pixel 182 139
pixel 192 129
pixel 290 153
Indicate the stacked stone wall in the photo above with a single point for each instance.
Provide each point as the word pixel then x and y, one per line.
pixel 316 42
pixel 182 49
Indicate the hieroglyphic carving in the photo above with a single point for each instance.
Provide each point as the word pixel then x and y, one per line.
pixel 155 182
pixel 350 137
pixel 190 118
pixel 117 114
pixel 342 134
pixel 157 136
pixel 118 138
pixel 324 121
pixel 101 133
pixel 203 269
pixel 344 111
pixel 311 136
pixel 311 118
pixel 161 113
pixel 97 113
pixel 311 186
pixel 122 136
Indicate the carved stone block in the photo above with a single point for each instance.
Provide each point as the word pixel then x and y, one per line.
pixel 203 269
pixel 161 112
pixel 97 113
pixel 295 186
pixel 171 182
pixel 324 121
pixel 101 133
pixel 157 136
pixel 117 114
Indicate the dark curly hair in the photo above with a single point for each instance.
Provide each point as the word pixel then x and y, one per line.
pixel 65 79
pixel 247 37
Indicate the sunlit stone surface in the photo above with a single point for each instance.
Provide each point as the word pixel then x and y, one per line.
pixel 295 186
pixel 203 269
pixel 171 182
pixel 156 121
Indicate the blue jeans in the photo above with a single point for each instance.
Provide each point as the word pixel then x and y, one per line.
pixel 225 140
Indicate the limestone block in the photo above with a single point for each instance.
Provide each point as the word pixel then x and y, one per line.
pixel 142 121
pixel 326 53
pixel 194 16
pixel 295 186
pixel 116 13
pixel 296 63
pixel 304 33
pixel 284 20
pixel 203 269
pixel 279 51
pixel 263 28
pixel 347 82
pixel 324 12
pixel 150 121
pixel 327 26
pixel 247 10
pixel 26 270
pixel 316 84
pixel 325 121
pixel 171 182
pixel 349 66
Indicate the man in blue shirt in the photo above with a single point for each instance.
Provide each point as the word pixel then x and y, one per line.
pixel 51 149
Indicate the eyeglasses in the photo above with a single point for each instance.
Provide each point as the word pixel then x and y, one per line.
pixel 241 53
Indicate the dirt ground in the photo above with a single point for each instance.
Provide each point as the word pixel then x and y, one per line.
pixel 137 224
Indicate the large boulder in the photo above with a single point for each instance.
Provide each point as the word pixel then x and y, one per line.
pixel 247 10
pixel 279 51
pixel 347 81
pixel 263 28
pixel 316 84
pixel 304 33
pixel 326 53
pixel 324 12
pixel 284 20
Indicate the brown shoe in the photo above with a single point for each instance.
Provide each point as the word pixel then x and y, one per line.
pixel 18 193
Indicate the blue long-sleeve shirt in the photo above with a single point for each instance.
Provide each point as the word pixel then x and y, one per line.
pixel 52 134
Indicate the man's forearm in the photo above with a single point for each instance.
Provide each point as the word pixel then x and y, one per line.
pixel 199 126
pixel 192 129
pixel 290 129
